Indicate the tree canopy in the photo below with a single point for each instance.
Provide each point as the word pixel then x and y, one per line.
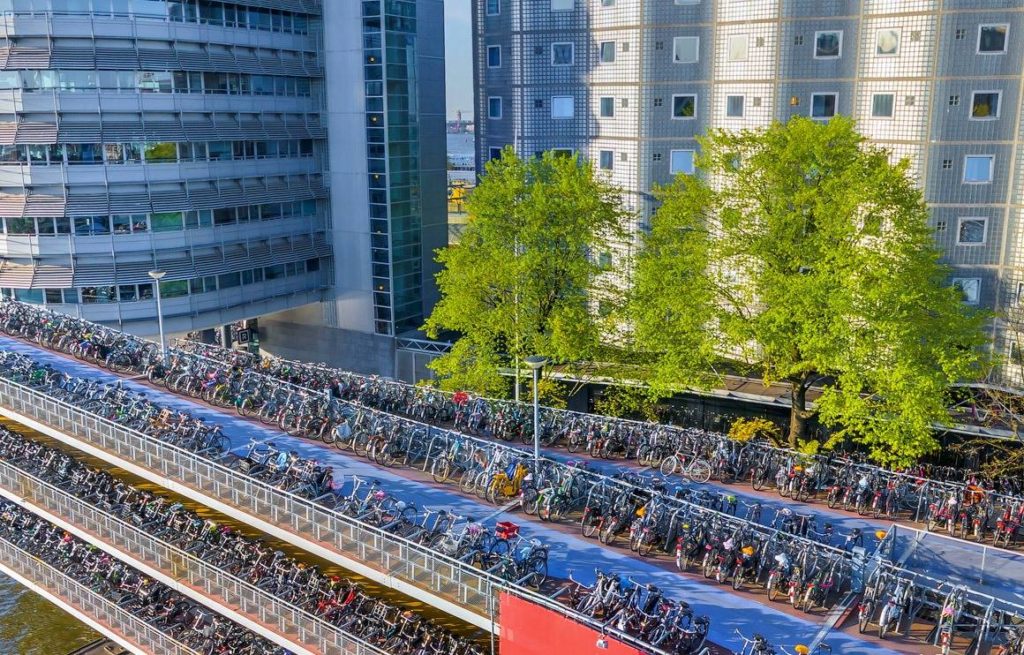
pixel 521 279
pixel 802 254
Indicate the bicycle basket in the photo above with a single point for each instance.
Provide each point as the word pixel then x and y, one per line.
pixel 506 530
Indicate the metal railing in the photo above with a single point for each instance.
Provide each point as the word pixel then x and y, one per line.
pixel 399 558
pixel 442 576
pixel 103 611
pixel 295 624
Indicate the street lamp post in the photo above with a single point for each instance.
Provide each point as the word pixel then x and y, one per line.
pixel 536 363
pixel 157 276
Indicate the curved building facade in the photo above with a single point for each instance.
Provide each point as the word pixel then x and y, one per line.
pixel 184 136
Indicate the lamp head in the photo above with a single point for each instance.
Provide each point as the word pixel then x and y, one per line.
pixel 157 275
pixel 536 362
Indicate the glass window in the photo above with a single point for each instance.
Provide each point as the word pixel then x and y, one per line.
pixel 607 107
pixel 971 231
pixel 274 272
pixel 37 153
pixel 14 154
pixel 312 265
pixel 562 54
pixel 563 107
pixel 113 153
pixel 992 39
pixel 133 152
pixel 224 216
pixel 63 225
pixel 985 105
pixel 174 289
pixel 828 45
pixel 887 42
pixel 122 224
pixel 734 106
pixel 166 151
pixel 681 162
pixel 607 52
pixel 154 81
pixel 494 56
pixel 34 296
pixel 882 105
pixel 562 5
pixel 219 150
pixel 10 80
pixel 607 159
pixel 970 287
pixel 978 169
pixel 53 296
pixel 21 225
pixel 738 47
pixel 823 105
pixel 165 221
pixel 145 291
pixel 56 153
pixel 84 153
pixel 684 106
pixel 128 293
pixel 45 226
pixel 493 7
pixel 494 107
pixel 685 49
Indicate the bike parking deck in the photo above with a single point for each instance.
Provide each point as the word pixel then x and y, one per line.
pixel 568 551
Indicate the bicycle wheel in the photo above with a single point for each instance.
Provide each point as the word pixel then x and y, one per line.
pixel 538 567
pixel 669 465
pixel 441 469
pixel 589 526
pixel 699 471
pixel 467 480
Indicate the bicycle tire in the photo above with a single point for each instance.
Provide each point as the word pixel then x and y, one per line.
pixel 441 469
pixel 669 465
pixel 699 471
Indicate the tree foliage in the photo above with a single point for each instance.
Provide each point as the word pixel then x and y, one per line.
pixel 521 278
pixel 800 252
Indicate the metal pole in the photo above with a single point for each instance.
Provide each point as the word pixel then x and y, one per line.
pixel 536 419
pixel 160 324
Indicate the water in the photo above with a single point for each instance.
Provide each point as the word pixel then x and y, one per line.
pixel 461 149
pixel 30 625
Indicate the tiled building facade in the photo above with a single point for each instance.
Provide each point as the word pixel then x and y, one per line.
pixel 631 83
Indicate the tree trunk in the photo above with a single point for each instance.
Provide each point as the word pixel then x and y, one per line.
pixel 798 413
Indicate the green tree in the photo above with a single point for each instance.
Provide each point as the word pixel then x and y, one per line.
pixel 521 279
pixel 800 252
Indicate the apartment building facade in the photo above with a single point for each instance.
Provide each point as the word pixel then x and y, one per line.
pixel 630 84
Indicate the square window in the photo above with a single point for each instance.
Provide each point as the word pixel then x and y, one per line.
pixel 493 153
pixel 828 45
pixel 823 105
pixel 685 49
pixel 562 5
pixel 954 101
pixel 684 106
pixel 563 107
pixel 734 106
pixel 970 287
pixel 960 34
pixel 493 7
pixel 882 105
pixel 494 107
pixel 607 53
pixel 681 161
pixel 623 156
pixel 494 56
pixel 687 2
pixel 656 156
pixel 624 102
pixel 757 101
pixel 794 101
pixel 971 231
pixel 607 107
pixel 940 226
pixel 759 42
pixel 978 169
pixel 915 36
pixel 985 105
pixel 909 100
pixel 798 39
pixel 737 47
pixel 887 42
pixel 657 102
pixel 992 39
pixel 538 104
pixel 562 54
pixel 947 164
pixel 607 3
pixel 607 160
pixel 625 46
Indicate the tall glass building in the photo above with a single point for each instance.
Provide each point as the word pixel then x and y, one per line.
pixel 630 84
pixel 191 137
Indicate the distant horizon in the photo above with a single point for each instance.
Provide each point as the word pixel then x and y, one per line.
pixel 458 56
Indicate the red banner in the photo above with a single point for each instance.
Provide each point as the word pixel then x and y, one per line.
pixel 531 629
